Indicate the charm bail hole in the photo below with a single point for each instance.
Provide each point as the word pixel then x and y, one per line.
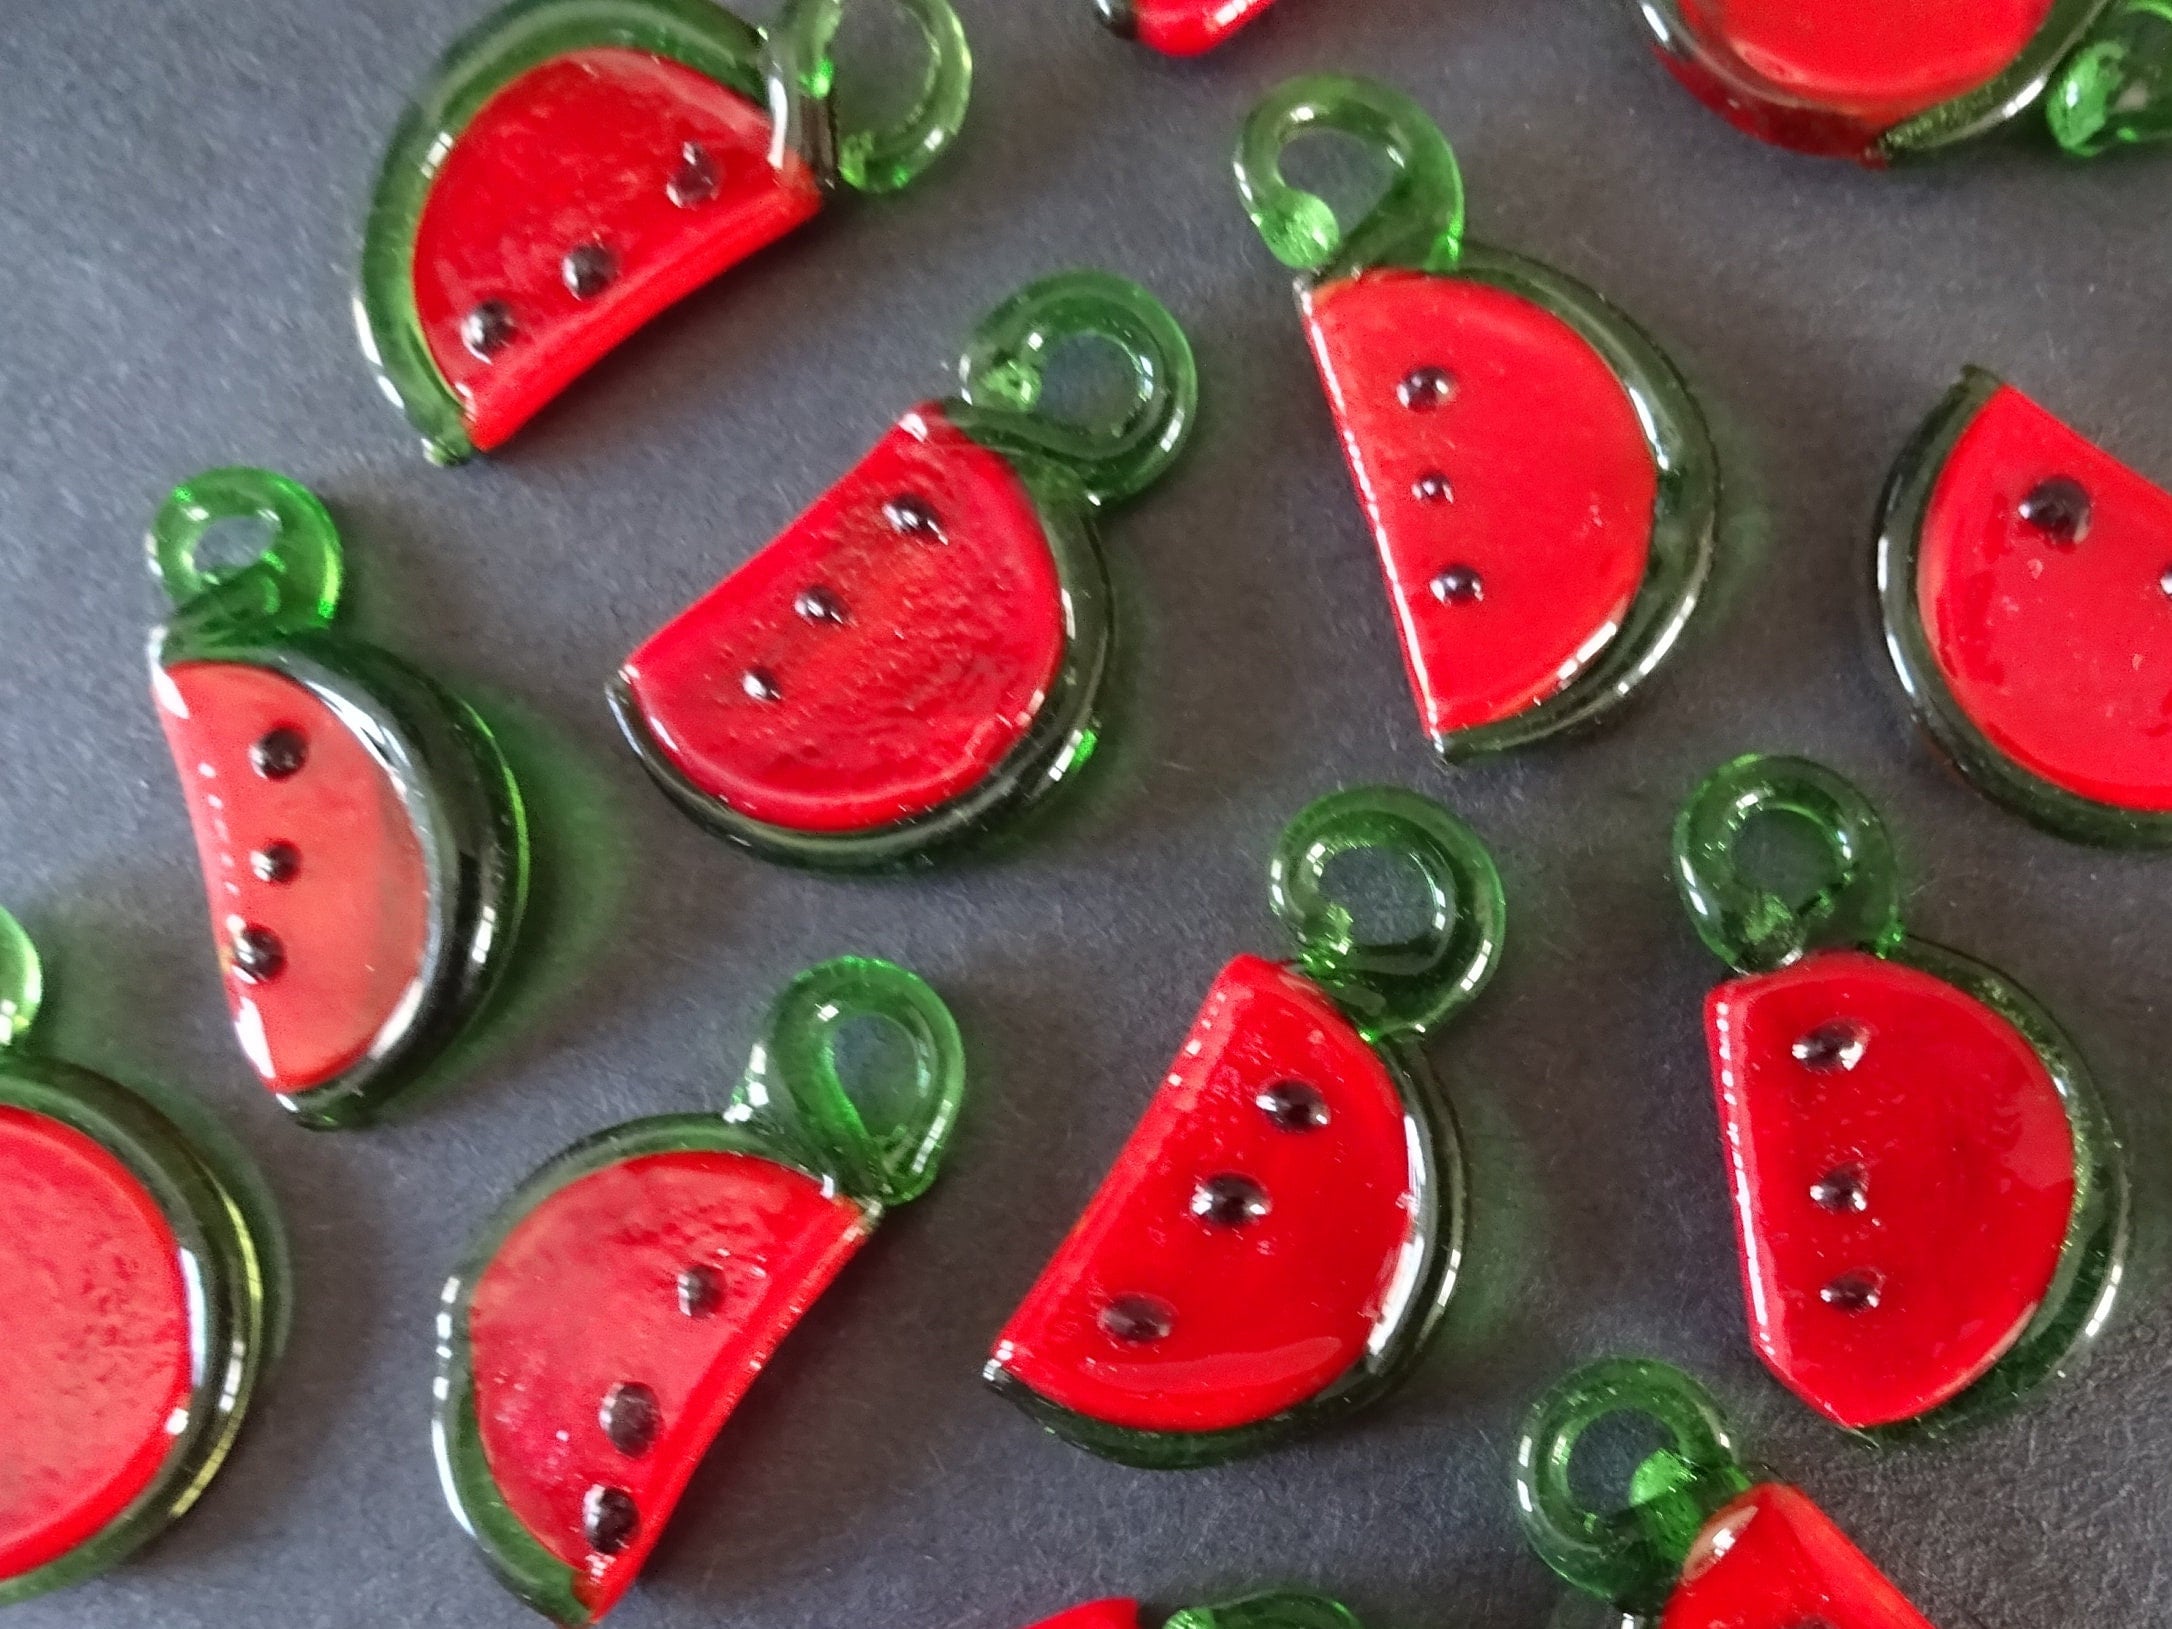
pixel 1611 1454
pixel 230 544
pixel 1389 897
pixel 1089 380
pixel 878 1068
pixel 1348 174
pixel 877 57
pixel 1789 855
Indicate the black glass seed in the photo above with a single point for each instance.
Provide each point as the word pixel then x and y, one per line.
pixel 1837 1045
pixel 1853 1292
pixel 279 753
pixel 1138 1319
pixel 914 517
pixel 700 1292
pixel 1459 585
pixel 257 954
pixel 276 862
pixel 1842 1188
pixel 1432 487
pixel 693 183
pixel 1293 1105
pixel 609 1519
pixel 818 604
pixel 630 1417
pixel 588 269
pixel 760 684
pixel 2059 508
pixel 488 329
pixel 1424 389
pixel 1229 1200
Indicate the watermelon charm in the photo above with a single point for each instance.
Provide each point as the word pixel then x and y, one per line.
pixel 921 652
pixel 576 166
pixel 1281 1234
pixel 1879 81
pixel 1177 28
pixel 1699 1543
pixel 2025 577
pixel 1932 1208
pixel 1538 482
pixel 1280 1609
pixel 140 1309
pixel 616 1309
pixel 362 840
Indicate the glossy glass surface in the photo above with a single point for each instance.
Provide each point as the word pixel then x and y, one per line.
pixel 1179 28
pixel 2024 576
pixel 1110 1614
pixel 2117 89
pixel 1903 1177
pixel 1773 1560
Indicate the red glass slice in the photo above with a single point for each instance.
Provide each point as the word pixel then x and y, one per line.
pixel 2055 640
pixel 1835 75
pixel 1773 1560
pixel 583 198
pixel 320 901
pixel 589 1297
pixel 1185 28
pixel 1506 476
pixel 1252 1239
pixel 1113 1614
pixel 95 1361
pixel 1903 1175
pixel 880 658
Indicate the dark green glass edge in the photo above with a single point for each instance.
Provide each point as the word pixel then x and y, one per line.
pixel 695 33
pixel 239 1296
pixel 468 812
pixel 1442 1221
pixel 1903 509
pixel 520 1562
pixel 2017 87
pixel 1051 752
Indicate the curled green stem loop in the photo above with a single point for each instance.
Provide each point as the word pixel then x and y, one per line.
pixel 290 585
pixel 1747 923
pixel 22 981
pixel 802 77
pixel 1630 1556
pixel 2117 88
pixel 1007 358
pixel 1412 984
pixel 1418 222
pixel 880 1147
pixel 1275 1609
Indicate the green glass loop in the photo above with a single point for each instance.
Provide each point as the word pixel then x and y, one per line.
pixel 1748 925
pixel 1007 357
pixel 792 1086
pixel 2116 89
pixel 1631 1556
pixel 1418 222
pixel 293 585
pixel 1406 987
pixel 22 981
pixel 1272 1609
pixel 802 75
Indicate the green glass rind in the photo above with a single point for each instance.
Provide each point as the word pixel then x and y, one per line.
pixel 797 65
pixel 2117 89
pixel 291 586
pixel 233 1311
pixel 1630 1556
pixel 1442 1186
pixel 1272 1609
pixel 22 981
pixel 469 820
pixel 498 50
pixel 1902 512
pixel 1052 750
pixel 2018 85
pixel 1685 514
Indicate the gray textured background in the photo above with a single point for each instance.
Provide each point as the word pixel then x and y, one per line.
pixel 181 188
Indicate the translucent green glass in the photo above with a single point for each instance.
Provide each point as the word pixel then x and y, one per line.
pixel 1278 1609
pixel 2117 89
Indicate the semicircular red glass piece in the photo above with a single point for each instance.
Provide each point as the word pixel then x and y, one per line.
pixel 1506 477
pixel 1773 1560
pixel 1110 1614
pixel 96 1363
pixel 880 658
pixel 1185 28
pixel 1259 1223
pixel 583 198
pixel 304 840
pixel 585 1298
pixel 2055 640
pixel 1903 1175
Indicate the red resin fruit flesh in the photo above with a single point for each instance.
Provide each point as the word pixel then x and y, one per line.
pixel 95 1366
pixel 1276 1106
pixel 324 859
pixel 1866 65
pixel 1184 28
pixel 655 175
pixel 2056 644
pixel 1506 476
pixel 584 1297
pixel 880 658
pixel 1903 1175
pixel 1773 1560
pixel 1112 1614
